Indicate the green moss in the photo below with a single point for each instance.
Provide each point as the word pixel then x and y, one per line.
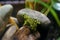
pixel 31 22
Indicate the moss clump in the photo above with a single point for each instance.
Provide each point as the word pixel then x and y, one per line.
pixel 31 22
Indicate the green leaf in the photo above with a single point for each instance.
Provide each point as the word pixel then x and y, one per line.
pixel 54 14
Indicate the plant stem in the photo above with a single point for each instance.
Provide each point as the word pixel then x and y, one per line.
pixel 43 10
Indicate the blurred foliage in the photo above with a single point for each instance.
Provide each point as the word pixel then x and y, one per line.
pixel 48 7
pixel 58 38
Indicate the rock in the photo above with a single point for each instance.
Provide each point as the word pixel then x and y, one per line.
pixel 15 19
pixel 5 12
pixel 24 33
pixel 9 33
pixel 33 14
